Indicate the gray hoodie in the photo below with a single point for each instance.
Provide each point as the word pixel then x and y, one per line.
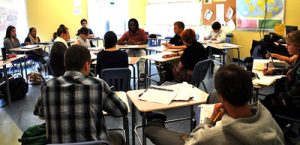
pixel 259 129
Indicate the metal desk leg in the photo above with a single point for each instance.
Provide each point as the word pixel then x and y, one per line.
pixel 138 74
pixel 143 127
pixel 7 84
pixel 133 123
pixel 192 116
pixel 223 59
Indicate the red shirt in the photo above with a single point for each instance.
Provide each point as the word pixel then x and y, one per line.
pixel 139 37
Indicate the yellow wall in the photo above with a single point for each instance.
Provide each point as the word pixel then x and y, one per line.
pixel 245 38
pixel 137 9
pixel 47 15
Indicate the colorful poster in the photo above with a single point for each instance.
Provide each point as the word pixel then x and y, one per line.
pixel 266 13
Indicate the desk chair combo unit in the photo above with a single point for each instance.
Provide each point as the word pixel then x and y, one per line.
pixel 119 80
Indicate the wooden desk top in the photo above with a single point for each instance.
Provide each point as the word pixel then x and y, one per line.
pixel 143 46
pixel 163 48
pixel 159 57
pixel 144 106
pixel 8 61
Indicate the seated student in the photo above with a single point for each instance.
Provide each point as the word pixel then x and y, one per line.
pixel 176 41
pixel 135 36
pixel 233 121
pixel 287 96
pixel 216 34
pixel 10 39
pixel 58 50
pixel 73 104
pixel 84 24
pixel 194 53
pixel 82 40
pixel 111 57
pixel 31 39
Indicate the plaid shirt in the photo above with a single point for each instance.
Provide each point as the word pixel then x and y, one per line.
pixel 72 106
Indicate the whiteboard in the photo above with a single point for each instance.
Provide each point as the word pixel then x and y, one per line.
pixel 168 13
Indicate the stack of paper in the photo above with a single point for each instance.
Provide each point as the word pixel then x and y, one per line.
pixel 158 95
pixel 29 46
pixel 265 80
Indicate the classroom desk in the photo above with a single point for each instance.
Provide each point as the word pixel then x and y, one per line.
pixel 163 48
pixel 223 47
pixel 261 80
pixel 3 64
pixel 95 39
pixel 157 58
pixel 24 50
pixel 142 46
pixel 143 107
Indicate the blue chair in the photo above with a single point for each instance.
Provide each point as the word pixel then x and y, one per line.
pixel 117 78
pixel 199 73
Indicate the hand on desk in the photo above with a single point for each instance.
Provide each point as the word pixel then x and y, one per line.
pixel 218 113
pixel 268 72
pixel 169 55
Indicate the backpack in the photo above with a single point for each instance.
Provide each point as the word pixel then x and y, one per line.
pixel 34 135
pixel 18 88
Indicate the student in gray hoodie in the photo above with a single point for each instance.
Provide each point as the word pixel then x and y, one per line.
pixel 233 122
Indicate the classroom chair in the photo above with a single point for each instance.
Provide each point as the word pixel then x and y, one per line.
pixel 199 73
pixel 97 142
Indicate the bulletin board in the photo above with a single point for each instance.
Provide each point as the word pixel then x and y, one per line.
pixel 211 5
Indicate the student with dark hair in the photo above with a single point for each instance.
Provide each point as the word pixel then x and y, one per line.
pixel 84 23
pixel 82 38
pixel 111 57
pixel 233 121
pixel 216 34
pixel 135 36
pixel 58 50
pixel 176 41
pixel 31 39
pixel 194 53
pixel 73 104
pixel 10 39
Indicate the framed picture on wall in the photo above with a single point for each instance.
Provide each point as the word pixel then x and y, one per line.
pixel 207 1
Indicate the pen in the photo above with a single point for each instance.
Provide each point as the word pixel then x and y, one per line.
pixel 143 92
pixel 218 115
pixel 257 76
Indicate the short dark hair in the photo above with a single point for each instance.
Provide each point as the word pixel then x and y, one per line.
pixel 82 20
pixel 234 84
pixel 188 36
pixel 216 26
pixel 135 21
pixel 8 31
pixel 61 29
pixel 110 39
pixel 75 57
pixel 83 30
pixel 180 24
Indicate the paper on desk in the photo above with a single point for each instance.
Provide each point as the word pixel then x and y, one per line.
pixel 183 91
pixel 158 96
pixel 205 111
pixel 265 80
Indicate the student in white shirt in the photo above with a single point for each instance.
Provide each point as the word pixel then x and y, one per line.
pixel 216 34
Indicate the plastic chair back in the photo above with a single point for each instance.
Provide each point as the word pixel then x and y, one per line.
pixel 117 78
pixel 199 72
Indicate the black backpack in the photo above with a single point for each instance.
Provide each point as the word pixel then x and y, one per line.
pixel 18 88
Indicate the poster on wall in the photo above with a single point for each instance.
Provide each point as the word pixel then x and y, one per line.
pixel 257 14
